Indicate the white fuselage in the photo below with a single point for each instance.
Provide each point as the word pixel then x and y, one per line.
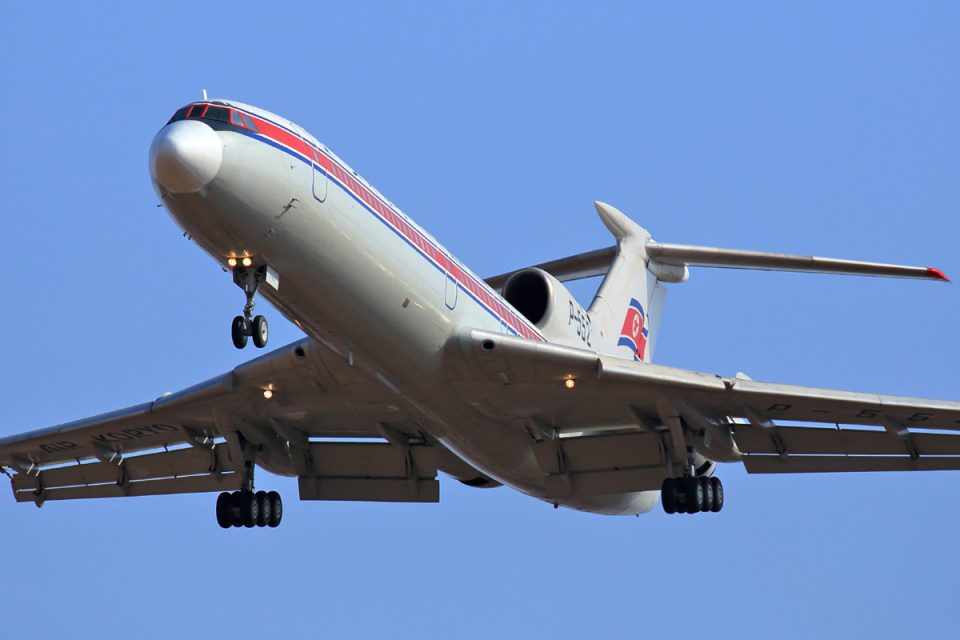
pixel 356 275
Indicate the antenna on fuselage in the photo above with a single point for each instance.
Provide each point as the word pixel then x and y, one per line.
pixel 204 94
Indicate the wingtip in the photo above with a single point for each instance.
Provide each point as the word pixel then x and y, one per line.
pixel 933 272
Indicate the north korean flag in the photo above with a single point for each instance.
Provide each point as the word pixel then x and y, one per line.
pixel 634 331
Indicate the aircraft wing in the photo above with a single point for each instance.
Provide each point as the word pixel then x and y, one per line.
pixel 189 441
pixel 729 418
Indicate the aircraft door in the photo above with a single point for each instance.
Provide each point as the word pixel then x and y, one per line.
pixel 450 293
pixel 319 180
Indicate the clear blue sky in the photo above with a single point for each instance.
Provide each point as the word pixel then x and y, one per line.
pixel 822 127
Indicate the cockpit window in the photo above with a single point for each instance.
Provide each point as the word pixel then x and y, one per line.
pixel 217 113
pixel 180 114
pixel 241 119
pixel 203 111
pixel 247 119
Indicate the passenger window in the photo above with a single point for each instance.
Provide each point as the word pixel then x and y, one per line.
pixel 217 113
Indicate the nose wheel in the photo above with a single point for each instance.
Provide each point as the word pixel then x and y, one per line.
pixel 247 325
pixel 242 328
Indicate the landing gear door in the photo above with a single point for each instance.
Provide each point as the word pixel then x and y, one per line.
pixel 319 179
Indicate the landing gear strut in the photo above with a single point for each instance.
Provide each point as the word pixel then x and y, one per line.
pixel 692 495
pixel 247 508
pixel 248 326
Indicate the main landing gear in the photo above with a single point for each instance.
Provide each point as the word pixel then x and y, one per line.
pixel 692 495
pixel 247 326
pixel 246 508
pixel 249 509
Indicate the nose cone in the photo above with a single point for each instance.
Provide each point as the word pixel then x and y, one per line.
pixel 185 156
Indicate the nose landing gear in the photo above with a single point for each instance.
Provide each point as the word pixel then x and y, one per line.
pixel 243 327
pixel 246 325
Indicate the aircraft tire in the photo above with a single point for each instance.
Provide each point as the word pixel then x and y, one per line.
pixel 263 508
pixel 261 332
pixel 276 509
pixel 717 487
pixel 250 510
pixel 238 332
pixel 223 511
pixel 708 496
pixel 236 509
pixel 694 495
pixel 668 495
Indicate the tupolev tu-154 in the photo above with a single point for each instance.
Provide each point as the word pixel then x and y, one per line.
pixel 413 365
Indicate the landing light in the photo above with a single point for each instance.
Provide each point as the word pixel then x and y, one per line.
pixel 247 261
pixel 570 383
pixel 268 393
pixel 232 262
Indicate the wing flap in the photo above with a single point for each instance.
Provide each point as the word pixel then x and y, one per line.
pixel 131 471
pixel 370 460
pixel 370 489
pixel 841 464
pixel 166 486
pixel 601 464
pixel 370 472
pixel 604 452
pixel 819 440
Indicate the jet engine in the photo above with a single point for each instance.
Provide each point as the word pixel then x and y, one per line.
pixel 544 301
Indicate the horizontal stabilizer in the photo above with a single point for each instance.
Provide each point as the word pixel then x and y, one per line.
pixel 597 263
pixel 689 255
pixel 583 265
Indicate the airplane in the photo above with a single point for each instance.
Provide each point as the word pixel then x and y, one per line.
pixel 413 365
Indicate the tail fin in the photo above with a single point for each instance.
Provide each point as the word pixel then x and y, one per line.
pixel 628 305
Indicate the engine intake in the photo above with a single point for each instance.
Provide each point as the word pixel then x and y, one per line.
pixel 529 292
pixel 544 301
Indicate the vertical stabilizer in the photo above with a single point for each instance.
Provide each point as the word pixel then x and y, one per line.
pixel 628 304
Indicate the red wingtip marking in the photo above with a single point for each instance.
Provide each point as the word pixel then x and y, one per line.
pixel 936 273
